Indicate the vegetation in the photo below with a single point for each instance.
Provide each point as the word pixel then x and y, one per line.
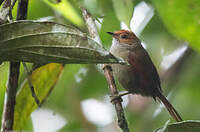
pixel 77 92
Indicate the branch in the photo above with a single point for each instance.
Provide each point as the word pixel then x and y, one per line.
pixel 108 74
pixel 117 102
pixel 9 106
pixel 10 99
pixel 22 9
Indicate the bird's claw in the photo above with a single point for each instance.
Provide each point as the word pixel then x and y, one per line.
pixel 105 65
pixel 118 97
pixel 114 98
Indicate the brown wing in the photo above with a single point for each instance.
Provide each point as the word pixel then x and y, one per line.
pixel 149 80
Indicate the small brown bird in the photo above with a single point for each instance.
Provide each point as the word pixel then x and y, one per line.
pixel 141 76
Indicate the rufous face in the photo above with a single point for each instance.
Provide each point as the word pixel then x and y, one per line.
pixel 124 36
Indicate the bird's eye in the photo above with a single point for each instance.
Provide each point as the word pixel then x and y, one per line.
pixel 124 36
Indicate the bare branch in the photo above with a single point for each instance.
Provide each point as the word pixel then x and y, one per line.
pixel 91 25
pixel 9 106
pixel 108 74
pixel 117 102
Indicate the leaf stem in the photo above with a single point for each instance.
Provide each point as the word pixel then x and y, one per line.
pixel 31 84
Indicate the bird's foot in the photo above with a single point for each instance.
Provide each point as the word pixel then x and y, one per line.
pixel 118 97
pixel 106 65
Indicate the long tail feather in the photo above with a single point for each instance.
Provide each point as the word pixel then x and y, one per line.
pixel 169 107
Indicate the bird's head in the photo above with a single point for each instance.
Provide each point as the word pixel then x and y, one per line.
pixel 124 37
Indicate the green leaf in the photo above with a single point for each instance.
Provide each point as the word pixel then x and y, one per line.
pixel 93 6
pixel 3 83
pixel 123 10
pixel 35 10
pixel 110 24
pixel 181 18
pixel 43 79
pixel 184 126
pixel 46 42
pixel 67 10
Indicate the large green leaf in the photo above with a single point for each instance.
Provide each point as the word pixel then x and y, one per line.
pixel 45 42
pixel 181 18
pixel 124 10
pixel 43 79
pixel 185 126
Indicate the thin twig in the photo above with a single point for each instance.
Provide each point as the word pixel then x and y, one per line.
pixel 108 74
pixel 30 84
pixel 10 98
pixel 117 102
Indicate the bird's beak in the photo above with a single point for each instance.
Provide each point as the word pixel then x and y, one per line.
pixel 114 35
pixel 111 33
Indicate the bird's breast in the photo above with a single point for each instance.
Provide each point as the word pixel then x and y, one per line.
pixel 126 77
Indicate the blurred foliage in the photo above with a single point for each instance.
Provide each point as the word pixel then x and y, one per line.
pixel 173 24
pixel 123 10
pixel 181 18
pixel 110 23
pixel 25 104
pixel 66 9
pixel 70 88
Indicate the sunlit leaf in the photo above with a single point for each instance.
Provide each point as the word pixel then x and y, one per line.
pixel 43 79
pixel 3 82
pixel 66 9
pixel 123 10
pixel 181 18
pixel 35 9
pixel 45 42
pixel 185 126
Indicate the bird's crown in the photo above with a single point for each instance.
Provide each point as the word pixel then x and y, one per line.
pixel 124 36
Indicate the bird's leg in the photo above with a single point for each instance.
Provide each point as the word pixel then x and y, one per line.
pixel 114 97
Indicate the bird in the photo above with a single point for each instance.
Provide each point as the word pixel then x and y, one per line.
pixel 140 76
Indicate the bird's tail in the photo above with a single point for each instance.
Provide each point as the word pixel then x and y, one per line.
pixel 169 107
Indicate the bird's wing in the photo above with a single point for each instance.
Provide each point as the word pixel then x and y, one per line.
pixel 142 63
